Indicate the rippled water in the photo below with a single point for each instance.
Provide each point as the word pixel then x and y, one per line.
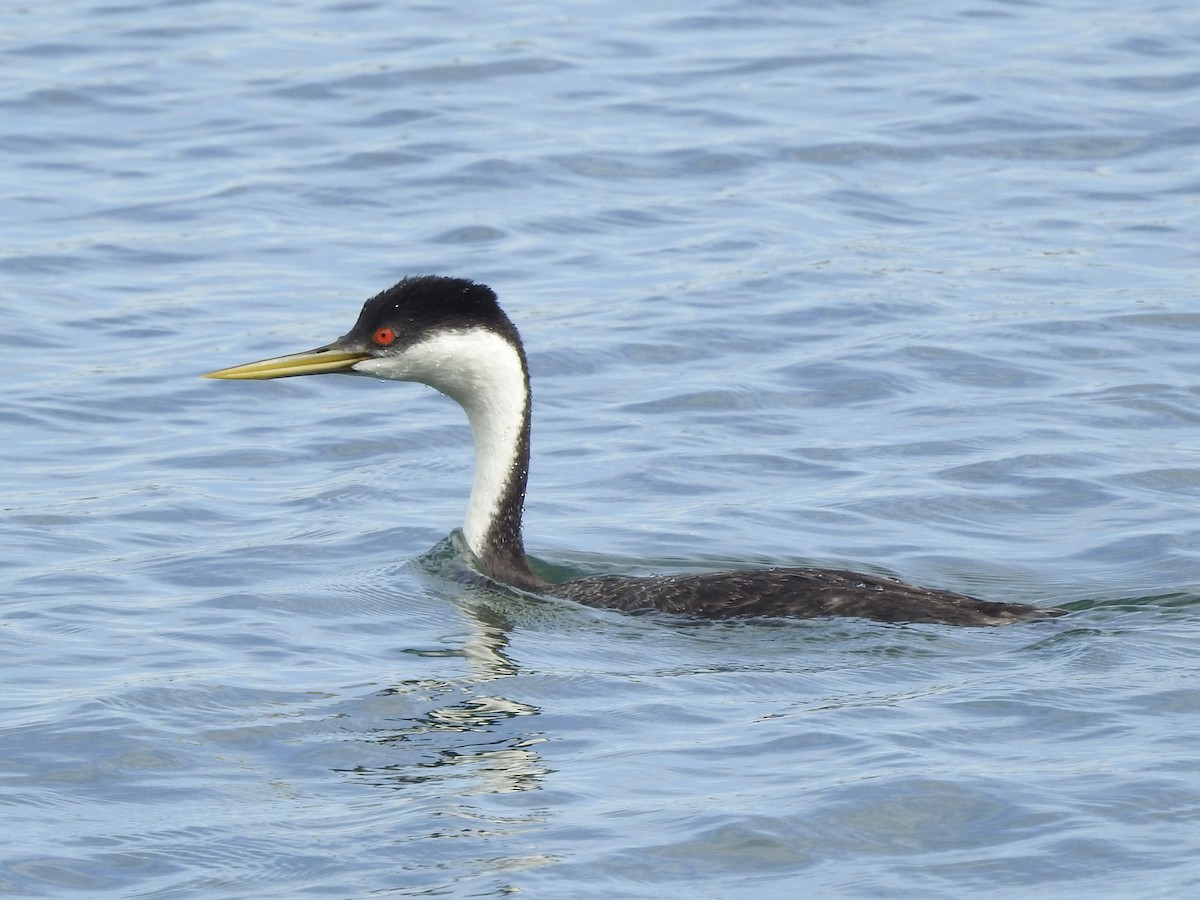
pixel 846 284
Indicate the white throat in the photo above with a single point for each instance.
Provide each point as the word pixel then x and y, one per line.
pixel 483 372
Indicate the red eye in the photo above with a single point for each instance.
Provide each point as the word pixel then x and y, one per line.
pixel 383 336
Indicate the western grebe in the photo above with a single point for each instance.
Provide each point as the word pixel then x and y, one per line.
pixel 450 334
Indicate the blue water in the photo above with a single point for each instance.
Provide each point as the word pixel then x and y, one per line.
pixel 847 284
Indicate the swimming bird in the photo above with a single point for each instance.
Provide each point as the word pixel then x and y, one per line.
pixel 451 334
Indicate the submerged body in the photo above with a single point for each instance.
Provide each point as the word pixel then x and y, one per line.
pixel 451 334
pixel 797 593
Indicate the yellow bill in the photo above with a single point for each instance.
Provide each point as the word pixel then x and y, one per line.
pixel 312 362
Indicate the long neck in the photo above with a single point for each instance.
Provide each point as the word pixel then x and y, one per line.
pixel 499 418
pixel 486 373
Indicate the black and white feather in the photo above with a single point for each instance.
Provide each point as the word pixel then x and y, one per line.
pixel 452 335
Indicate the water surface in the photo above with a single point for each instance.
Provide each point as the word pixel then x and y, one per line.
pixel 850 284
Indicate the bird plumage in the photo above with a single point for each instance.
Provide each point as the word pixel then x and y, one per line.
pixel 452 335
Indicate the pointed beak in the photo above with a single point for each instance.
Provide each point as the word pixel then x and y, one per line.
pixel 312 362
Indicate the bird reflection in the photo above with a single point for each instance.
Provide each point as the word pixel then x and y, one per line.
pixel 475 730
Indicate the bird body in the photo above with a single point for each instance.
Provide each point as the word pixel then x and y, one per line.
pixel 450 334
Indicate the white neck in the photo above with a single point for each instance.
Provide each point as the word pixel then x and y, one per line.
pixel 483 372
